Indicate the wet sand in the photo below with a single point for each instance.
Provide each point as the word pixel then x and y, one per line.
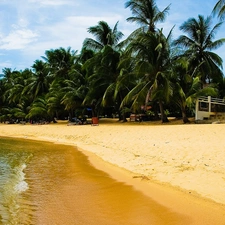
pixel 180 167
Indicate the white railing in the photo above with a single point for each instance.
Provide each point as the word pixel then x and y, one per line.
pixel 212 100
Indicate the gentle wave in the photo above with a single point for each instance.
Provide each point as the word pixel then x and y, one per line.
pixel 12 185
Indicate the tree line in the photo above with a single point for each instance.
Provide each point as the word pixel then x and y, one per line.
pixel 148 72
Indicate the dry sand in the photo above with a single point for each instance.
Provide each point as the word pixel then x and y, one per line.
pixel 179 166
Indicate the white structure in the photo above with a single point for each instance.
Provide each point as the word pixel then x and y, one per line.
pixel 207 107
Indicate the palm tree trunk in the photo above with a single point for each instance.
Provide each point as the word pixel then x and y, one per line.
pixel 70 116
pixel 124 117
pixel 155 110
pixel 164 118
pixel 57 114
pixel 184 115
pixel 93 109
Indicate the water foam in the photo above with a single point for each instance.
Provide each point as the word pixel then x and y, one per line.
pixel 21 185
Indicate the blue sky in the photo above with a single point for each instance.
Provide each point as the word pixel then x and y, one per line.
pixel 30 27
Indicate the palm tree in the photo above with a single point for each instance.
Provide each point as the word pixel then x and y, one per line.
pixel 219 9
pixel 54 100
pixel 152 52
pixel 104 73
pixel 60 65
pixel 10 78
pixel 15 86
pixel 39 110
pixel 187 87
pixel 8 75
pixel 60 62
pixel 73 94
pixel 104 35
pixel 15 102
pixel 197 47
pixel 120 86
pixel 20 111
pixel 38 84
pixel 101 69
pixel 146 13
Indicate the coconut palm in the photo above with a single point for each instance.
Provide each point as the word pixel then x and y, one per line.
pixel 38 84
pixel 187 87
pixel 8 75
pixel 20 111
pixel 11 79
pixel 197 47
pixel 104 73
pixel 54 100
pixel 219 9
pixel 152 52
pixel 120 85
pixel 15 87
pixel 60 62
pixel 39 110
pixel 15 102
pixel 73 94
pixel 101 69
pixel 146 13
pixel 104 35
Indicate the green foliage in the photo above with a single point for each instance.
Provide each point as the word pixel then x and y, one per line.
pixel 38 109
pixel 147 68
pixel 197 47
pixel 219 9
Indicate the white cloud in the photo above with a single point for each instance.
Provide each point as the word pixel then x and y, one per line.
pixel 23 22
pixel 72 31
pixel 18 39
pixel 50 24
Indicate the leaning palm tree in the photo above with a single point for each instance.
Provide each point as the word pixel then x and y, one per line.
pixel 219 9
pixel 146 13
pixel 104 35
pixel 197 47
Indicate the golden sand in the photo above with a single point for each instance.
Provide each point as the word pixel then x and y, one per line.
pixel 179 166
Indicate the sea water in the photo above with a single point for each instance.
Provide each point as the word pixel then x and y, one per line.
pixel 45 184
pixel 15 207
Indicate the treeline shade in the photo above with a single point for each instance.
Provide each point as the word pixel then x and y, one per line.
pixel 148 72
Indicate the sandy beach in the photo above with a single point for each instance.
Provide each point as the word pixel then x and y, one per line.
pixel 179 166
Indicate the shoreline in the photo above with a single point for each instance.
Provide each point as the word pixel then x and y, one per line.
pixel 109 148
